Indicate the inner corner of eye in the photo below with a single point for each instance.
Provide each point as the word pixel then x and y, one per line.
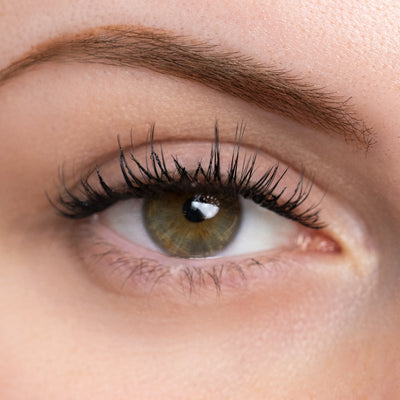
pixel 263 229
pixel 318 241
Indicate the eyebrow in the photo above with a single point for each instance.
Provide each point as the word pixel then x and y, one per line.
pixel 269 88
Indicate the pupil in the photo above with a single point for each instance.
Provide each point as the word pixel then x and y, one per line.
pixel 199 209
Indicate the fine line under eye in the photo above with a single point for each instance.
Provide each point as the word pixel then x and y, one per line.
pixel 153 177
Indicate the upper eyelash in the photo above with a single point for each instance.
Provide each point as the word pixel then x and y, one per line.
pixel 155 178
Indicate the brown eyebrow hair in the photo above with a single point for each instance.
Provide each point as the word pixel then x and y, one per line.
pixel 269 88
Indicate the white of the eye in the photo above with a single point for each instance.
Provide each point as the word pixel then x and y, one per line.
pixel 259 230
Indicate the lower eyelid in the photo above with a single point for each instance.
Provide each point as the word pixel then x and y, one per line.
pixel 135 271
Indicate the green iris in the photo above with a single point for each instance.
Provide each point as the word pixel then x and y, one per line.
pixel 192 225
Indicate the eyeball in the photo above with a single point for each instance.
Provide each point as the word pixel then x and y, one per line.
pixel 198 225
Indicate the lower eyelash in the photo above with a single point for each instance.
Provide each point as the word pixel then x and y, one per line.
pixel 134 272
pixel 147 275
pixel 155 178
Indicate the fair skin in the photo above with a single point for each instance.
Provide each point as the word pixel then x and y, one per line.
pixel 326 328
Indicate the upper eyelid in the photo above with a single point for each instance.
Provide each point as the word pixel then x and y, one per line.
pixel 154 176
pixel 270 88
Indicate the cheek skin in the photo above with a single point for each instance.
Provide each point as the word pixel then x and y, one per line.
pixel 298 326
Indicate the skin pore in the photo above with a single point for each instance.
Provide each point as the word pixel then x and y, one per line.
pixel 315 324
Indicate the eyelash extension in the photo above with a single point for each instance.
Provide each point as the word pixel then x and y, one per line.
pixel 154 178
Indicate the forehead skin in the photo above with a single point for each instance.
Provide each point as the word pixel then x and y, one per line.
pixel 324 42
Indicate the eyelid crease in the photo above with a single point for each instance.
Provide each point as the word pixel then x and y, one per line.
pixel 154 178
pixel 268 87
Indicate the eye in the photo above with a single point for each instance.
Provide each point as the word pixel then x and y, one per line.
pixel 167 213
pixel 196 225
pixel 192 224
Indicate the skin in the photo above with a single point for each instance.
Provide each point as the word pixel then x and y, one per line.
pixel 326 331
